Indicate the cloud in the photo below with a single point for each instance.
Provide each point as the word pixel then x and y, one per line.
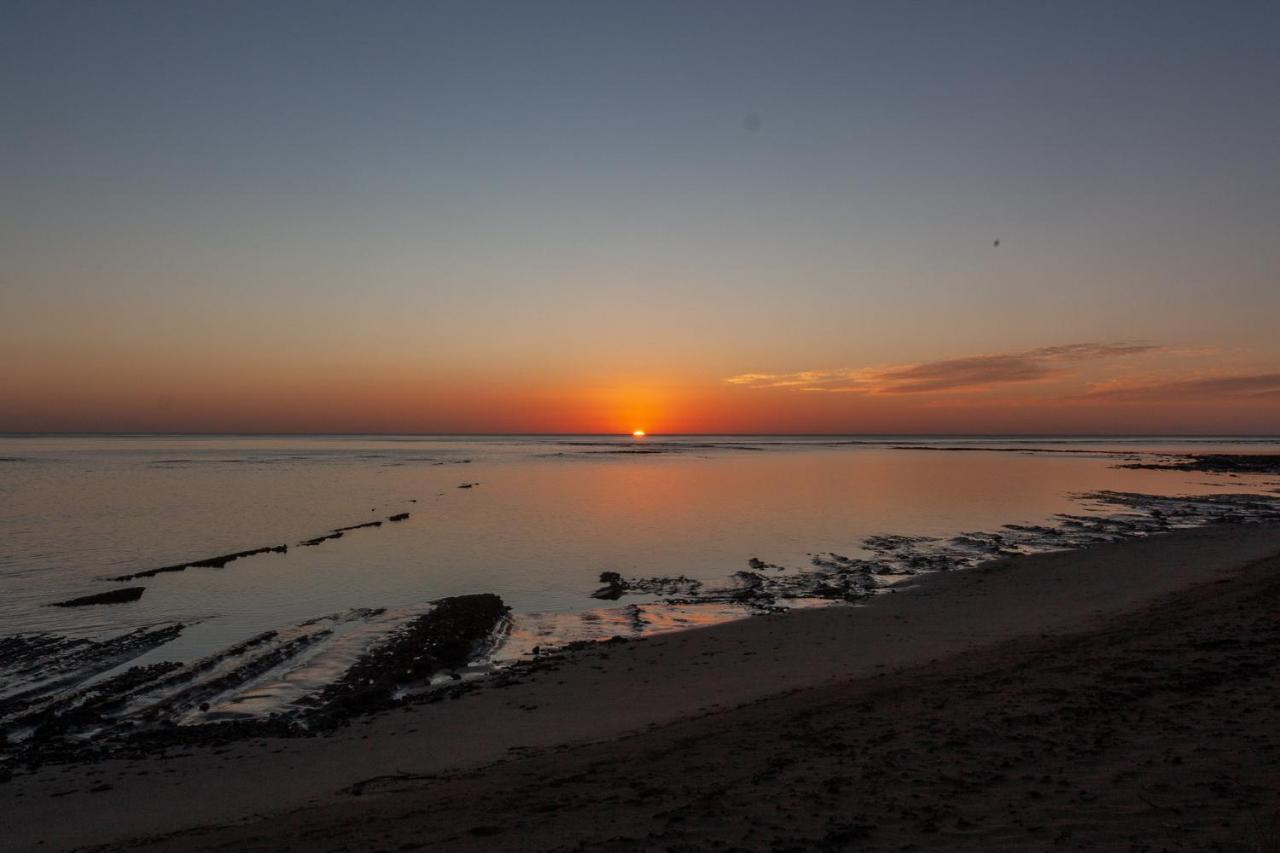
pixel 970 373
pixel 976 372
pixel 792 380
pixel 1257 386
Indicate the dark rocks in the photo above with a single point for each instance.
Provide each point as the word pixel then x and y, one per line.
pixel 841 590
pixel 1217 463
pixel 445 638
pixel 207 563
pixel 894 542
pixel 983 544
pixel 228 670
pixel 308 543
pixel 51 702
pixel 358 526
pixel 614 587
pixel 751 589
pixel 219 562
pixel 41 674
pixel 840 578
pixel 115 596
pixel 338 532
pixel 68 660
pixel 89 707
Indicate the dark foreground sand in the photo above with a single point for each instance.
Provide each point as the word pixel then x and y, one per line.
pixel 1122 697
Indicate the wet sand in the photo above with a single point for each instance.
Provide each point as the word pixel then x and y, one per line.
pixel 1119 696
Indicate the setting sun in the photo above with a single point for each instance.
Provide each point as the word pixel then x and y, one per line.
pixel 638 433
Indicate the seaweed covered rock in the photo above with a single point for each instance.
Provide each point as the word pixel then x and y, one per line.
pixel 445 638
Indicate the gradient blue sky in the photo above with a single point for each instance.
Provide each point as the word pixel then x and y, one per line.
pixel 589 216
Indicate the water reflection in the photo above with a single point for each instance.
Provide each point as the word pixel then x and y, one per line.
pixel 535 529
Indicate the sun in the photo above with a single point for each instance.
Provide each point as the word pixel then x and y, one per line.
pixel 637 433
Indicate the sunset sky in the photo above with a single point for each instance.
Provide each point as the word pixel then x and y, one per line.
pixel 678 217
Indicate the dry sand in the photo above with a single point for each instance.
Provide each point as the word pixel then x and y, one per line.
pixel 1119 697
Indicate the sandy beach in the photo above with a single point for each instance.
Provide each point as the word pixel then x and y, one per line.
pixel 1117 696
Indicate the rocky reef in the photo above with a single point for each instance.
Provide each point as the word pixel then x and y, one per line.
pixel 115 596
pixel 338 533
pixel 767 587
pixel 1216 463
pixel 445 638
pixel 222 560
pixel 68 699
pixel 42 676
pixel 208 562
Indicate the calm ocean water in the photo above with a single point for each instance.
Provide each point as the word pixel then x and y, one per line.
pixel 546 516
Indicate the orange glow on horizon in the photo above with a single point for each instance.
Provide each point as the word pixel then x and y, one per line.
pixel 637 433
pixel 129 393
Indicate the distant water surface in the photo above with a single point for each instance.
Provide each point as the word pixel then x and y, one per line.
pixel 544 517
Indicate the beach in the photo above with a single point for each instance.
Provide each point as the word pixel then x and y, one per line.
pixel 1119 695
pixel 639 426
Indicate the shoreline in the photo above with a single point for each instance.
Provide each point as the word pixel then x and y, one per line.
pixel 1154 729
pixel 610 690
pixel 112 705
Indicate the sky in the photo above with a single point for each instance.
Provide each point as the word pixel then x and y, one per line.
pixel 728 217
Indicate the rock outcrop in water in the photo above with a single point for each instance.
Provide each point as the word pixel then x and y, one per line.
pixel 207 563
pixel 222 560
pixel 615 586
pixel 613 589
pixel 837 577
pixel 360 526
pixel 1216 463
pixel 51 697
pixel 445 638
pixel 41 675
pixel 339 532
pixel 115 596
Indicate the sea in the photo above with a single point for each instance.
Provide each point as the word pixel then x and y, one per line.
pixel 535 520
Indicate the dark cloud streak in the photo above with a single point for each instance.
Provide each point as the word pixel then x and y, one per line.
pixel 1259 386
pixel 972 372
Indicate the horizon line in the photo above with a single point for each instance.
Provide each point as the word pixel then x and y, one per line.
pixel 170 434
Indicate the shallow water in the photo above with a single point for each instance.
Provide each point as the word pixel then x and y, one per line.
pixel 538 521
pixel 547 516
